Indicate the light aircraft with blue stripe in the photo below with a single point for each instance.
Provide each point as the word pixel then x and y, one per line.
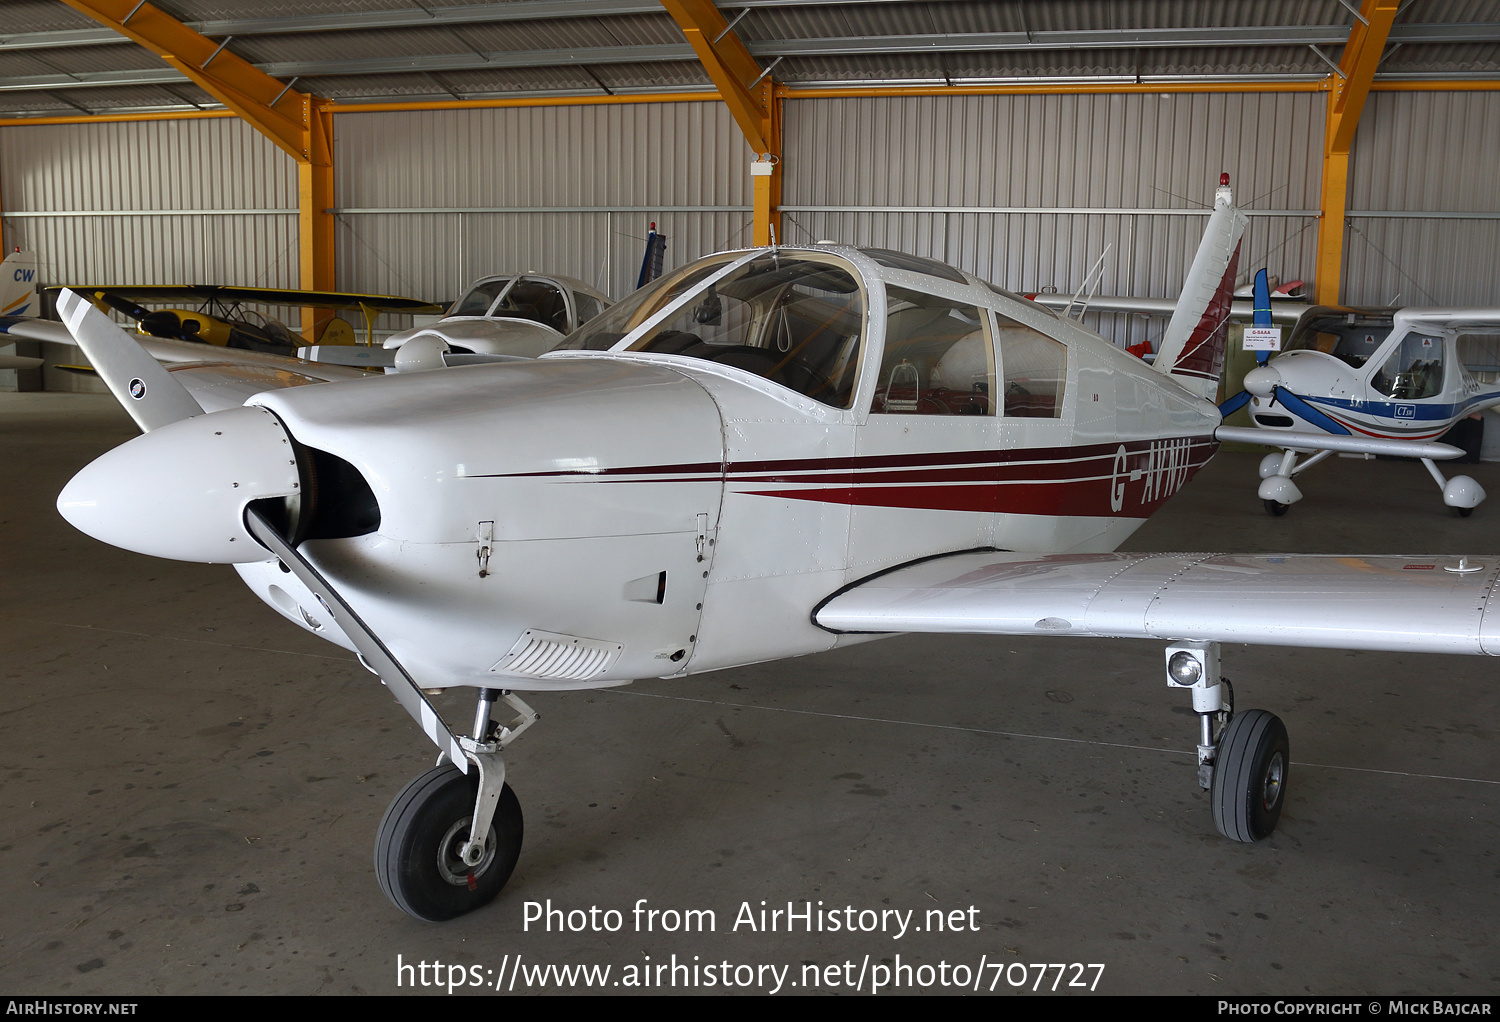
pixel 1350 375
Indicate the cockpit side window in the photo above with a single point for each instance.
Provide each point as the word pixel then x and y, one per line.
pixel 1414 370
pixel 938 359
pixel 478 301
pixel 588 306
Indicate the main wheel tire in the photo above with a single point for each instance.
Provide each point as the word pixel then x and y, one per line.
pixel 1275 508
pixel 417 848
pixel 1250 776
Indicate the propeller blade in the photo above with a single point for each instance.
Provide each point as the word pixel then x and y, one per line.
pixel 144 389
pixel 1234 404
pixel 1260 314
pixel 392 674
pixel 1294 404
pixel 125 305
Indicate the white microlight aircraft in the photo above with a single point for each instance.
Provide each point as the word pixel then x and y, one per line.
pixel 763 454
pixel 1401 377
pixel 1400 374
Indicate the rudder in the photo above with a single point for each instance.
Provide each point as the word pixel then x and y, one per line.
pixel 1192 349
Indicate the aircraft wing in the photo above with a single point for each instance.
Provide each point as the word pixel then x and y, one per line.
pixel 25 328
pixel 1416 604
pixel 199 293
pixel 1281 312
pixel 159 380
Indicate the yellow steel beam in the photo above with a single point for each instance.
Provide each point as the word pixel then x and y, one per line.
pixel 766 175
pixel 1346 101
pixel 239 85
pixel 295 121
pixel 750 96
pixel 315 223
pixel 729 65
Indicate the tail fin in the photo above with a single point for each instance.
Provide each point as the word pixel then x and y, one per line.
pixel 18 285
pixel 1192 349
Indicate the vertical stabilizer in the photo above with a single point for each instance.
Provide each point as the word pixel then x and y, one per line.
pixel 18 295
pixel 1192 349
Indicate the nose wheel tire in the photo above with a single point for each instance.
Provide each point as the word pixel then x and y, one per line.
pixel 417 848
pixel 1275 508
pixel 1250 776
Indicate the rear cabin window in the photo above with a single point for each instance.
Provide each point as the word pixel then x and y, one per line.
pixel 938 359
pixel 1035 369
pixel 1479 354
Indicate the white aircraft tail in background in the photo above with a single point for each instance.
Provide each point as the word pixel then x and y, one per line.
pixel 18 298
pixel 18 295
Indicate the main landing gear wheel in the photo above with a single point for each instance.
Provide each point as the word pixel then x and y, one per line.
pixel 1250 776
pixel 417 851
pixel 1275 508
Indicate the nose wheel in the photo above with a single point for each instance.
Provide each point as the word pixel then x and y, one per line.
pixel 420 848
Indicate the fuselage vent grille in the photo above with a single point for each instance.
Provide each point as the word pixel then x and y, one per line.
pixel 550 655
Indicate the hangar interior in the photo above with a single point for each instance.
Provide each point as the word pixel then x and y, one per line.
pixel 190 786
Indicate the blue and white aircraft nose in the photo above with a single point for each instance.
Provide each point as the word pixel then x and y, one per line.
pixel 1262 380
pixel 180 491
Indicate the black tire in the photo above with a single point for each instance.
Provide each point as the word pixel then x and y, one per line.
pixel 1463 512
pixel 416 849
pixel 1250 776
pixel 1275 508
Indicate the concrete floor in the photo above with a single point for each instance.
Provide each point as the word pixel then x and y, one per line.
pixel 190 787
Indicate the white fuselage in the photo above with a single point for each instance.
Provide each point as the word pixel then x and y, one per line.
pixel 668 515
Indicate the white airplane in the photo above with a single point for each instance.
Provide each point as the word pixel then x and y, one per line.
pixel 1403 374
pixel 18 304
pixel 763 454
pixel 503 317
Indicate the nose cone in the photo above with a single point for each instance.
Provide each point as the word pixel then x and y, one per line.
pixel 1261 380
pixel 180 491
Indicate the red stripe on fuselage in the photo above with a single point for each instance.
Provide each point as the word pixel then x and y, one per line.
pixel 1086 481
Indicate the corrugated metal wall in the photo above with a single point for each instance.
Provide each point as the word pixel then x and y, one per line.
pixel 1131 172
pixel 1429 153
pixel 104 203
pixel 432 200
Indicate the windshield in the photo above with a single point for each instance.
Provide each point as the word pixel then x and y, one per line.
pixel 540 301
pixel 479 298
pixel 1351 337
pixel 794 319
